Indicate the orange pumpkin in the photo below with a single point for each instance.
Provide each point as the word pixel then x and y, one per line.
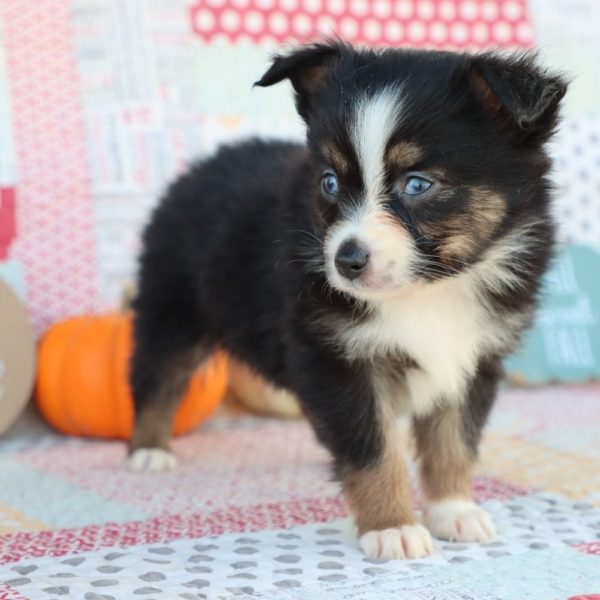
pixel 82 383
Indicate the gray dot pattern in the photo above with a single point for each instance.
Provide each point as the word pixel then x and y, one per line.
pixel 104 582
pixel 198 569
pixel 116 555
pixel 157 561
pixel 153 576
pixel 205 547
pixel 336 577
pixel 284 562
pixel 18 581
pixel 330 565
pixel 163 550
pixel 288 558
pixel 246 550
pixel 374 571
pixel 198 558
pixel 94 596
pixel 197 583
pixel 74 562
pixel 287 583
pixel 62 590
pixel 109 569
pixel 244 564
pixel 143 591
pixel 25 570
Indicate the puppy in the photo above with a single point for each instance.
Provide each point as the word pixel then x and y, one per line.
pixel 385 268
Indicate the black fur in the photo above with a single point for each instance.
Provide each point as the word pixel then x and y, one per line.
pixel 233 255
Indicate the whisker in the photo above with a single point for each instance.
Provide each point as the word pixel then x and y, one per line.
pixel 302 260
pixel 308 233
pixel 432 263
pixel 457 260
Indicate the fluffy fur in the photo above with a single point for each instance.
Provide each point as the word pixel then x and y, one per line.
pixel 318 267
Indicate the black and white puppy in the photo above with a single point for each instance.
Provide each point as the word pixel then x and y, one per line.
pixel 383 269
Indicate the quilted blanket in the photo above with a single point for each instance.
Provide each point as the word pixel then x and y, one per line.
pixel 253 513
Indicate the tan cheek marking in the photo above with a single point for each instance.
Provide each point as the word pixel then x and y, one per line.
pixel 460 235
pixel 488 211
pixel 445 461
pixel 454 236
pixel 458 245
pixel 404 154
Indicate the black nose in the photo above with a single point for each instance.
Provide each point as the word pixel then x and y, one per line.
pixel 351 259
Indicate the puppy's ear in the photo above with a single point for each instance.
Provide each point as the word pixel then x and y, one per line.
pixel 306 67
pixel 518 92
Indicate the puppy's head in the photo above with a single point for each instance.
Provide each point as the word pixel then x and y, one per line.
pixel 421 159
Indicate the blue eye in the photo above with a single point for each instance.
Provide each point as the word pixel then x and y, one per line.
pixel 329 184
pixel 416 185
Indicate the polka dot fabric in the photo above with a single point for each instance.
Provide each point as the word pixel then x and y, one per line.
pixel 86 178
pixel 317 561
pixel 251 512
pixel 576 152
pixel 80 161
pixel 432 23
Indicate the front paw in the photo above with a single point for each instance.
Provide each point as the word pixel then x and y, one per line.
pixel 407 541
pixel 459 521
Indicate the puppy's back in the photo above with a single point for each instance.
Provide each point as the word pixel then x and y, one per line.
pixel 213 248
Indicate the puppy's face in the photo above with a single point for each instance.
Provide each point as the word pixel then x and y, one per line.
pixel 421 159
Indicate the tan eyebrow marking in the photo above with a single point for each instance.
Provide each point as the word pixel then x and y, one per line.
pixel 336 158
pixel 404 154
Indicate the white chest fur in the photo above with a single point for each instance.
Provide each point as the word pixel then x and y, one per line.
pixel 443 327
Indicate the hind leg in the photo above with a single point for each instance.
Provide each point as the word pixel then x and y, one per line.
pixel 165 356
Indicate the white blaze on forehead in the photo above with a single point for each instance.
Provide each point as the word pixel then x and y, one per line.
pixel 375 119
pixel 390 247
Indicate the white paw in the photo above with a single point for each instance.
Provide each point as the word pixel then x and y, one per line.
pixel 459 521
pixel 151 460
pixel 408 541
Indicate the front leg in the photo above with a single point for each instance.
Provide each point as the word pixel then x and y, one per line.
pixel 350 420
pixel 379 497
pixel 447 444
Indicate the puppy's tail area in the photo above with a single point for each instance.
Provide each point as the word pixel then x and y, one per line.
pixel 260 396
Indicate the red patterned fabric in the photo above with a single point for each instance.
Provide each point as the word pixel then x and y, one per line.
pixel 93 122
pixel 60 542
pixel 437 23
pixel 8 226
pixel 54 213
pixel 591 548
pixel 9 593
pixel 255 494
